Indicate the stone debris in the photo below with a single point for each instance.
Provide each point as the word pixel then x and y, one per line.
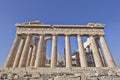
pixel 63 74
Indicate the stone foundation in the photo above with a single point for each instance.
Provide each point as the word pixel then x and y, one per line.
pixel 74 73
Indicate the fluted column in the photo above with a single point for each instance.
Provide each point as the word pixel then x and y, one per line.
pixel 82 54
pixel 32 63
pixel 54 52
pixel 39 52
pixel 95 51
pixel 68 51
pixel 109 59
pixel 102 58
pixel 77 60
pixel 19 53
pixel 29 56
pixel 23 59
pixel 44 53
pixel 99 50
pixel 13 51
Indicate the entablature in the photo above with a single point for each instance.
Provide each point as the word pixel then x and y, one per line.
pixel 38 28
pixel 60 31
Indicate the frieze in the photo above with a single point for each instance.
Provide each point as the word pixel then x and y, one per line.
pixel 84 31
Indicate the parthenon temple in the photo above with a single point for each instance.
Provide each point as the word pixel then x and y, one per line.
pixel 29 46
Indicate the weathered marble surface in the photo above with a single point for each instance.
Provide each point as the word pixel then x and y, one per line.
pixel 37 28
pixel 60 31
pixel 74 73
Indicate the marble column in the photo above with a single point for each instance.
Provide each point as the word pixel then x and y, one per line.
pixel 96 55
pixel 54 52
pixel 77 60
pixel 109 59
pixel 99 50
pixel 68 51
pixel 29 56
pixel 39 52
pixel 13 51
pixel 44 54
pixel 24 55
pixel 82 54
pixel 19 53
pixel 32 63
pixel 65 56
pixel 102 58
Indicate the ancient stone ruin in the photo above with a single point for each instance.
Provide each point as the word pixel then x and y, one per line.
pixel 27 58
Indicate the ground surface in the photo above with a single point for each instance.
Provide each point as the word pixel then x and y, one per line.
pixel 75 73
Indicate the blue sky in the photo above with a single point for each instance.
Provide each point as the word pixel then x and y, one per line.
pixel 60 12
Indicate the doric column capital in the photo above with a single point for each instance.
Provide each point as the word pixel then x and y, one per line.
pixel 54 34
pixel 67 34
pixel 28 35
pixel 101 35
pixel 91 36
pixel 18 35
pixel 41 35
pixel 79 35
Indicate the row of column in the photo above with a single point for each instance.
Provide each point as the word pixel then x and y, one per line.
pixel 22 54
pixel 26 54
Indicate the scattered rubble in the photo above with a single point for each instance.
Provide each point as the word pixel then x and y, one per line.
pixel 91 73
